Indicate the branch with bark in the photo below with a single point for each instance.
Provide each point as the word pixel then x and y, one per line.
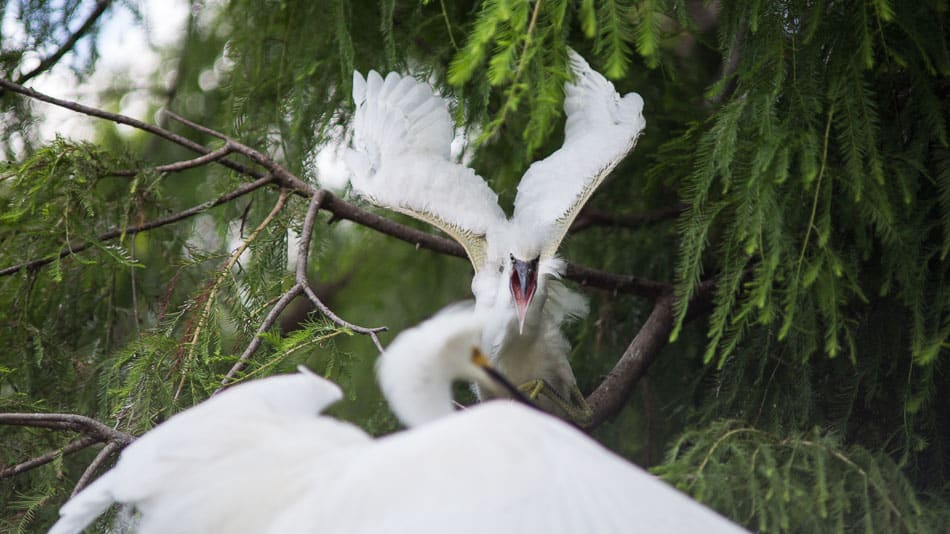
pixel 279 176
pixel 302 285
pixel 93 432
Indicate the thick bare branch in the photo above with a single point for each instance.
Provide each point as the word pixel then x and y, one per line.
pixel 66 421
pixel 74 446
pixel 613 392
pixel 622 283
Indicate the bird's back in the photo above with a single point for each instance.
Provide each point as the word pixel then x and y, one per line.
pixel 498 467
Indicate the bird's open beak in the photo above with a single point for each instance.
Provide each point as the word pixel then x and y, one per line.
pixel 479 359
pixel 524 282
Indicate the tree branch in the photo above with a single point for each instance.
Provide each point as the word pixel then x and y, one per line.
pixel 128 121
pixel 74 446
pixel 613 392
pixel 622 283
pixel 339 208
pixel 302 285
pixel 303 254
pixel 225 270
pixel 256 341
pixel 590 217
pixel 65 421
pixel 179 166
pixel 69 43
pixel 72 248
pixel 107 451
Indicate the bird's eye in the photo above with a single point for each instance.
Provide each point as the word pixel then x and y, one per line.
pixel 501 268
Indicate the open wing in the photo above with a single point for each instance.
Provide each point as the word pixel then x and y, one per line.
pixel 213 467
pixel 402 134
pixel 601 129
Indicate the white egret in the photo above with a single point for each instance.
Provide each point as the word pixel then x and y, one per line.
pixel 402 134
pixel 254 464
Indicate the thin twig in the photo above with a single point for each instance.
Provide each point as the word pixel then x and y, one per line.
pixel 371 332
pixel 255 343
pixel 69 43
pixel 73 446
pixel 225 270
pixel 107 451
pixel 70 248
pixel 303 253
pixel 302 285
pixel 128 121
pixel 185 165
pixel 285 177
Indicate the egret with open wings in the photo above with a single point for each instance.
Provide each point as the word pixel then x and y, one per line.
pixel 401 161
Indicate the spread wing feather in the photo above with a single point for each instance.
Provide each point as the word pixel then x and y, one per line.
pixel 402 135
pixel 601 129
pixel 252 437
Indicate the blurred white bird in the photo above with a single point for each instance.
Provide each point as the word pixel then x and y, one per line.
pixel 402 134
pixel 258 458
pixel 225 465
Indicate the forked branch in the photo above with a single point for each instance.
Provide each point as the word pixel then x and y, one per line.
pixel 301 285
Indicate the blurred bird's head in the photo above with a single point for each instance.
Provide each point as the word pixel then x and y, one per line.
pixel 418 368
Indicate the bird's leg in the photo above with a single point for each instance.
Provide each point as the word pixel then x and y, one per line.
pixel 574 409
pixel 532 388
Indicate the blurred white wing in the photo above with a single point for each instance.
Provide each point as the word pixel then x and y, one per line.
pixel 214 467
pixel 402 134
pixel 601 129
pixel 498 467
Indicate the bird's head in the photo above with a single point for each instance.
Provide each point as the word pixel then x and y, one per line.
pixel 523 281
pixel 418 368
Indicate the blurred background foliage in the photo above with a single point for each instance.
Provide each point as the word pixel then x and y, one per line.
pixel 807 139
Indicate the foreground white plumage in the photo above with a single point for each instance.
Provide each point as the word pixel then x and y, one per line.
pixel 244 462
pixel 402 134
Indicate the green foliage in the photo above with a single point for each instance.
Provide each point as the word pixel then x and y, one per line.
pixel 808 139
pixel 802 481
pixel 802 129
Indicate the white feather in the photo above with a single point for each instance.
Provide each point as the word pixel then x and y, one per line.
pixel 601 129
pixel 402 135
pixel 247 437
